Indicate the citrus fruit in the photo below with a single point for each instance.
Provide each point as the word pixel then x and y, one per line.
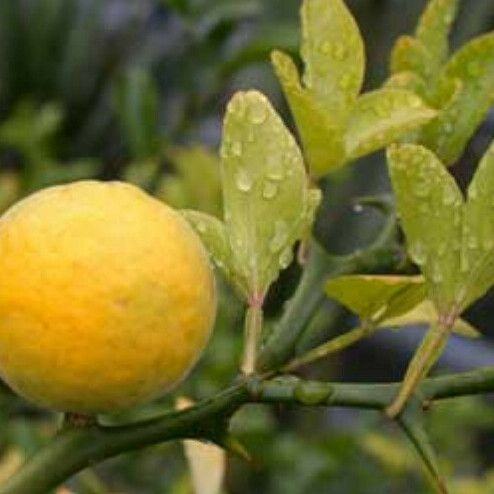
pixel 107 297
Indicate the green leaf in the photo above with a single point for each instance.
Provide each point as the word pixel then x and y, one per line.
pixel 267 201
pixel 434 28
pixel 333 52
pixel 214 236
pixel 430 205
pixel 377 298
pixel 410 55
pixel 426 313
pixel 478 232
pixel 382 117
pixel 320 135
pixel 473 67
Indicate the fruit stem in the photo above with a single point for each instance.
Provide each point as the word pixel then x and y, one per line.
pixel 252 336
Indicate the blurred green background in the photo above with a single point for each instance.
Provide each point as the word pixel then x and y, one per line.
pixel 135 90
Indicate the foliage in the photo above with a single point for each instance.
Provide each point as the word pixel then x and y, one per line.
pixel 253 205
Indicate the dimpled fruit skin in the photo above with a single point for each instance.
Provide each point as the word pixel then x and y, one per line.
pixel 107 297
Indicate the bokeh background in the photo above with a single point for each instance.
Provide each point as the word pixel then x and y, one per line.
pixel 135 90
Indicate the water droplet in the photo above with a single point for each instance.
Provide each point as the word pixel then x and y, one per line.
pixel 280 236
pixel 258 113
pixel 236 148
pixel 358 208
pixel 473 191
pixel 345 82
pixel 449 196
pixel 472 242
pixel 437 276
pixel 325 47
pixel 418 253
pixel 244 180
pixel 237 106
pixel 488 243
pixel 422 188
pixel 339 52
pixel 474 69
pixel 448 128
pixel 275 167
pixel 464 264
pixel 269 190
pixel 285 258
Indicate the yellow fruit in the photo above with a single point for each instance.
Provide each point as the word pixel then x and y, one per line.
pixel 107 297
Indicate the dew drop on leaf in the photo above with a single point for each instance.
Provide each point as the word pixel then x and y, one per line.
pixel 285 258
pixel 244 180
pixel 473 191
pixel 417 253
pixel 275 169
pixel 339 52
pixel 258 113
pixel 280 236
pixel 236 148
pixel 449 196
pixel 437 276
pixel 325 47
pixel 269 190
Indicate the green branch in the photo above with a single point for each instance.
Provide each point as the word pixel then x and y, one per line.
pixel 74 449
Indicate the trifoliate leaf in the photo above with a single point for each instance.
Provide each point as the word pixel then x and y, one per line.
pixel 376 298
pixel 452 240
pixel 267 201
pixel 320 135
pixel 473 67
pixel 382 117
pixel 434 27
pixel 430 206
pixel 410 55
pixel 333 52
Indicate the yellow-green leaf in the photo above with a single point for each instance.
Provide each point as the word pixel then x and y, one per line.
pixel 321 136
pixel 214 236
pixel 266 195
pixel 409 81
pixel 410 55
pixel 434 28
pixel 382 117
pixel 473 67
pixel 430 205
pixel 375 298
pixel 333 52
pixel 478 232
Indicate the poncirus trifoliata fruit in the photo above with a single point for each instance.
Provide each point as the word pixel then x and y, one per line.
pixel 107 297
